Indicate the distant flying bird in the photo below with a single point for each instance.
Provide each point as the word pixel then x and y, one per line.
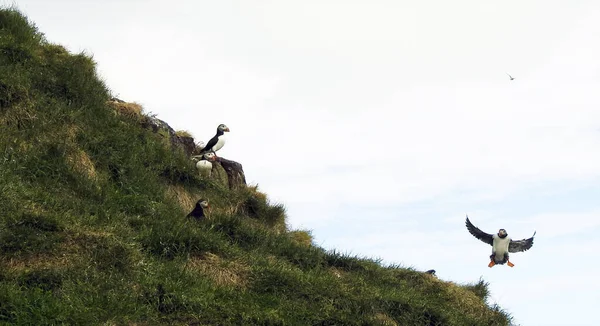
pixel 217 142
pixel 198 211
pixel 511 77
pixel 501 244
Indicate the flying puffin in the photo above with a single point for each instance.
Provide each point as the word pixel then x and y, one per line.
pixel 501 244
pixel 204 166
pixel 198 211
pixel 217 142
pixel 511 77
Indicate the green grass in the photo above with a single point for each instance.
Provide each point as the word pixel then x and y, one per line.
pixel 92 226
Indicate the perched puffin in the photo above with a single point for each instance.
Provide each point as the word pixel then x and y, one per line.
pixel 198 212
pixel 204 166
pixel 501 244
pixel 431 272
pixel 217 142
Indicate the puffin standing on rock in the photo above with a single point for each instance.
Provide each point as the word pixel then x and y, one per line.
pixel 501 244
pixel 198 211
pixel 217 142
pixel 204 166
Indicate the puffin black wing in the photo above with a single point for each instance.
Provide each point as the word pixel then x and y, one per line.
pixel 211 143
pixel 198 211
pixel 477 233
pixel 521 245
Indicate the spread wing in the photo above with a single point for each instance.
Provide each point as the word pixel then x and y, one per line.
pixel 211 143
pixel 477 233
pixel 521 245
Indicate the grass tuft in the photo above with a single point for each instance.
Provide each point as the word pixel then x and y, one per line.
pixel 480 288
pixel 183 133
pixel 222 272
pixel 302 237
pixel 255 204
pixel 130 110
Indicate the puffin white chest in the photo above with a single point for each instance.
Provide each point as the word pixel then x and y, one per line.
pixel 500 246
pixel 220 143
pixel 204 167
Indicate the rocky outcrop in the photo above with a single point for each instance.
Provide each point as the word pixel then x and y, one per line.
pixel 162 128
pixel 187 143
pixel 234 178
pixel 235 173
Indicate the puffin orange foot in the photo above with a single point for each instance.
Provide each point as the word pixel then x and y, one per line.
pixel 510 264
pixel 491 264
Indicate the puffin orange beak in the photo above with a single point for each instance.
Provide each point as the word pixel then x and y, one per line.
pixel 226 129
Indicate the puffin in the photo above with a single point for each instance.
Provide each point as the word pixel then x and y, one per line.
pixel 511 77
pixel 198 211
pixel 204 166
pixel 431 272
pixel 217 142
pixel 501 244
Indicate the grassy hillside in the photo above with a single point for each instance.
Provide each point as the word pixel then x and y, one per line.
pixel 93 227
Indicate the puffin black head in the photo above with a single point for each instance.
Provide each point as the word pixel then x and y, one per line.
pixel 198 211
pixel 431 271
pixel 222 128
pixel 502 233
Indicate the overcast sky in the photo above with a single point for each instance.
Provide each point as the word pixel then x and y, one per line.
pixel 380 124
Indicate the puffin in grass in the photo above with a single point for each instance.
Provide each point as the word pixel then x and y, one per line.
pixel 501 244
pixel 217 142
pixel 198 211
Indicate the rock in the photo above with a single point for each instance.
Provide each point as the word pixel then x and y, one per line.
pixel 187 144
pixel 162 128
pixel 235 173
pixel 118 100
